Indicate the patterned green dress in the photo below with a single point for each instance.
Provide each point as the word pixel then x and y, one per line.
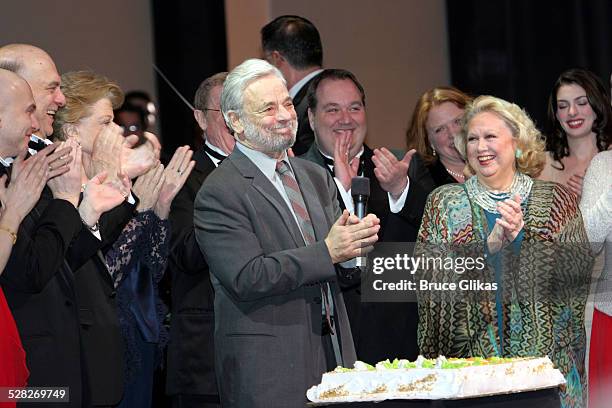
pixel 545 285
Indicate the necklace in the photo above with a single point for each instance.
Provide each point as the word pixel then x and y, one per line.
pixel 521 185
pixel 456 175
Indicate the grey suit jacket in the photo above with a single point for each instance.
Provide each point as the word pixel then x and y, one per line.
pixel 268 343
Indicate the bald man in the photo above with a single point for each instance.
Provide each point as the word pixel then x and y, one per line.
pixel 56 282
pixel 36 281
pixel 17 118
pixel 38 69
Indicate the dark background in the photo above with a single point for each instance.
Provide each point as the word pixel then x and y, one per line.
pixel 189 46
pixel 516 49
pixel 513 49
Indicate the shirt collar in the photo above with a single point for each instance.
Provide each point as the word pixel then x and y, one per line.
pixel 37 143
pixel 299 84
pixel 214 153
pixel 265 163
pixel 215 148
pixel 330 158
pixel 6 162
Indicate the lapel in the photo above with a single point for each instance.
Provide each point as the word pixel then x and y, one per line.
pixel 64 275
pixel 314 155
pixel 100 263
pixel 311 200
pixel 203 165
pixel 261 183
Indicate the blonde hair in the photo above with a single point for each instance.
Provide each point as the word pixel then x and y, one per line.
pixel 416 136
pixel 82 90
pixel 529 139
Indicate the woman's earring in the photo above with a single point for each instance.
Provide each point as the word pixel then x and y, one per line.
pixel 518 153
pixel 433 151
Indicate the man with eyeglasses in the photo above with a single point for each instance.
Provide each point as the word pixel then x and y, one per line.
pixel 191 376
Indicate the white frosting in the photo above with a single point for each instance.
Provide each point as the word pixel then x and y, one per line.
pixel 435 383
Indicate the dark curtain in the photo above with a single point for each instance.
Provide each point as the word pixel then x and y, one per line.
pixel 516 49
pixel 189 46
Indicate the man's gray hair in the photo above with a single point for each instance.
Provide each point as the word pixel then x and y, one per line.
pixel 232 97
pixel 201 99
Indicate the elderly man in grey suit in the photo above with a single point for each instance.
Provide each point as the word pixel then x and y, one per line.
pixel 273 235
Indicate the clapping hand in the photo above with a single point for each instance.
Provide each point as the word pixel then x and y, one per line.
pixel 106 154
pixel 508 226
pixel 175 175
pixel 136 161
pixel 344 169
pixel 28 179
pixel 153 143
pixel 390 172
pixel 351 237
pixel 100 195
pixel 148 186
pixel 67 186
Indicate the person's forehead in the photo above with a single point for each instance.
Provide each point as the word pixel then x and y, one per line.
pixel 21 95
pixel 332 89
pixel 571 89
pixel 41 71
pixel 487 120
pixel 442 113
pixel 268 87
pixel 214 96
pixel 103 105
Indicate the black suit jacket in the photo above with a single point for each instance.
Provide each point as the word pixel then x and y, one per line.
pixel 103 352
pixel 305 136
pixel 386 330
pixel 39 288
pixel 191 346
pixel 67 320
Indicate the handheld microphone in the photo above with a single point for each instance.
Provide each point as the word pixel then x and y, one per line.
pixel 360 190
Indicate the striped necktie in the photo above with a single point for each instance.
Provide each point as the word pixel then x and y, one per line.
pixel 297 201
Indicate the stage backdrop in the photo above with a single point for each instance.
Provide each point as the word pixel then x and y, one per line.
pixel 516 49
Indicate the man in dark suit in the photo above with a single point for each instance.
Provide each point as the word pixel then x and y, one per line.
pixel 293 45
pixel 191 376
pixel 56 282
pixel 271 231
pixel 337 114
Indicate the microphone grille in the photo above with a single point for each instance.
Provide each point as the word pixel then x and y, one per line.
pixel 360 186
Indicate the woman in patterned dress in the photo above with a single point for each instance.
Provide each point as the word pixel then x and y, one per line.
pixel 534 248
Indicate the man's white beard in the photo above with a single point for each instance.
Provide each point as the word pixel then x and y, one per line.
pixel 266 140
